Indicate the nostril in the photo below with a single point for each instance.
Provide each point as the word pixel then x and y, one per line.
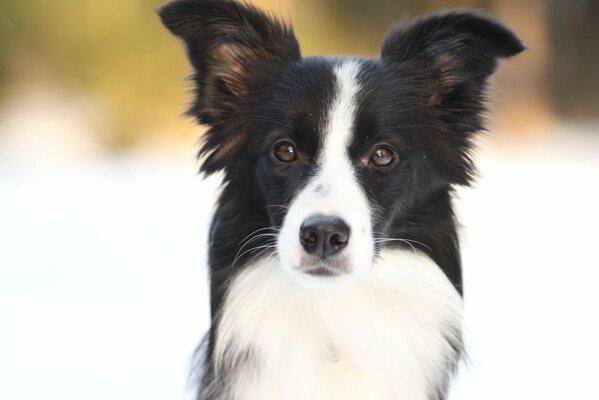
pixel 336 240
pixel 311 237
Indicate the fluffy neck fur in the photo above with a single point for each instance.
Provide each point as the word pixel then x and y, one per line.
pixel 395 334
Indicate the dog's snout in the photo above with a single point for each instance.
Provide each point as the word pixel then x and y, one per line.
pixel 324 236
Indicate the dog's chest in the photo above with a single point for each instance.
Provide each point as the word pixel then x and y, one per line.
pixel 394 334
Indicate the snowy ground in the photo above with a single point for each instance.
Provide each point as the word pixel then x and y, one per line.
pixel 103 292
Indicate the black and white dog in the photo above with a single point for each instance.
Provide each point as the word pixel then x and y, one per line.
pixel 334 259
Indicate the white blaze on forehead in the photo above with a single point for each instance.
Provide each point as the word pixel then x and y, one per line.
pixel 338 132
pixel 342 194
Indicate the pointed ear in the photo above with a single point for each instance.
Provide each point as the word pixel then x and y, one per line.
pixel 233 48
pixel 460 50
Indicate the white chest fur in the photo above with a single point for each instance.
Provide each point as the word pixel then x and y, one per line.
pixel 387 335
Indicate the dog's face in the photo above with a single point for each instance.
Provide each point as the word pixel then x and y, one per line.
pixel 338 149
pixel 318 185
pixel 335 166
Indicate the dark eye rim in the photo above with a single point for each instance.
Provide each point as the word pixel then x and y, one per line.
pixel 276 145
pixel 394 156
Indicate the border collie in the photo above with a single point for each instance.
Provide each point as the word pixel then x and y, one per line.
pixel 334 260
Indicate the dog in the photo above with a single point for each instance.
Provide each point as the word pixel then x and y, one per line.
pixel 334 258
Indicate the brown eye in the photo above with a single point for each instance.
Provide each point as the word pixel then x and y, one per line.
pixel 285 152
pixel 382 156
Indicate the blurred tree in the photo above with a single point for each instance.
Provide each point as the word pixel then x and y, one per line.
pixel 114 52
pixel 522 99
pixel 358 26
pixel 574 63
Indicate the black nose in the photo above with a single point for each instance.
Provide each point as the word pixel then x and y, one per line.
pixel 323 235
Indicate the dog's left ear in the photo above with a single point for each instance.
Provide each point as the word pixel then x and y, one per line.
pixel 449 57
pixel 460 50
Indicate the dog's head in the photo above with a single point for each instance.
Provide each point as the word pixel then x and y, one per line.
pixel 338 149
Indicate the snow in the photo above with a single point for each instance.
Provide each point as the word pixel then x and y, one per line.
pixel 103 285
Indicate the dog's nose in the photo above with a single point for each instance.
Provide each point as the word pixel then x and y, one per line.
pixel 324 236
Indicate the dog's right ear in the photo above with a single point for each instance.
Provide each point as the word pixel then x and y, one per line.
pixel 233 47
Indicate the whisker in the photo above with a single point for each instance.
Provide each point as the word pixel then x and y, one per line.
pixel 276 229
pixel 252 249
pixel 400 240
pixel 254 238
pixel 261 235
pixel 407 241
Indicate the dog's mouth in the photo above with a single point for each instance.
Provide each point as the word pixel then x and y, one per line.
pixel 319 268
pixel 322 271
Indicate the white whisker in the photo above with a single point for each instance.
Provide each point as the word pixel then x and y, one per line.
pixel 407 241
pixel 252 249
pixel 276 229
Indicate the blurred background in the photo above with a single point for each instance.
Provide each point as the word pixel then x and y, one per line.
pixel 103 219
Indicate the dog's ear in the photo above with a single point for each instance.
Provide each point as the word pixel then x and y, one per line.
pixel 233 48
pixel 449 57
pixel 460 50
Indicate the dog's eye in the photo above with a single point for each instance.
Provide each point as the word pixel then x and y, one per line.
pixel 382 156
pixel 285 151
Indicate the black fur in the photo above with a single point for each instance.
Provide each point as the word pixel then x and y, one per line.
pixel 424 97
